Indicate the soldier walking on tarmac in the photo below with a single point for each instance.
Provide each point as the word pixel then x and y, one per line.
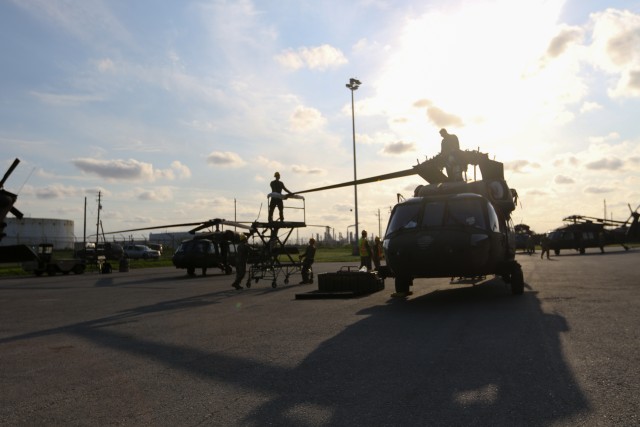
pixel 242 255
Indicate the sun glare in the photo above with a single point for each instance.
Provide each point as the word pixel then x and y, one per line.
pixel 481 64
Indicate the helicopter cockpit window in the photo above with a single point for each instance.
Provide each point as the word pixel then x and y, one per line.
pixel 433 212
pixel 494 224
pixel 404 216
pixel 467 212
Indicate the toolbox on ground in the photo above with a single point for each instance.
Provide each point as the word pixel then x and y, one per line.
pixel 350 279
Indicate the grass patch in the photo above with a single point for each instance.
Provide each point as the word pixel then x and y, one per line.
pixel 323 254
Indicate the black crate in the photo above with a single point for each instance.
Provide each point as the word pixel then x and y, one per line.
pixel 350 281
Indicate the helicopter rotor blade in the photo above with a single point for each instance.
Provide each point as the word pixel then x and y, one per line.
pixel 188 224
pixel 9 171
pixel 399 174
pixel 16 212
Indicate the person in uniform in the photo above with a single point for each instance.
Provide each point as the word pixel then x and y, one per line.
pixel 276 199
pixel 449 149
pixel 365 251
pixel 376 253
pixel 242 255
pixel 545 244
pixel 307 260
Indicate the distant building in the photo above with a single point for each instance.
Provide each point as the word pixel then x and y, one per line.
pixel 33 231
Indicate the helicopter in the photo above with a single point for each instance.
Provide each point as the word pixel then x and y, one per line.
pixel 210 249
pixel 269 259
pixel 582 232
pixel 7 200
pixel 451 227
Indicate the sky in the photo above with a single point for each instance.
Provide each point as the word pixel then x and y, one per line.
pixel 181 111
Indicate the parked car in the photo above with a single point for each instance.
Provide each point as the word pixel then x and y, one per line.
pixel 110 251
pixel 140 251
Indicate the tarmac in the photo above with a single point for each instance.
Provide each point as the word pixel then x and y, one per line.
pixel 155 347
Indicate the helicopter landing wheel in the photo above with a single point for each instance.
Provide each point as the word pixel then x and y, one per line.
pixel 517 281
pixel 274 284
pixel 286 280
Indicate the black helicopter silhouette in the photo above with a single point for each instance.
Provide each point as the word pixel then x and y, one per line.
pixel 211 249
pixel 451 228
pixel 7 200
pixel 582 232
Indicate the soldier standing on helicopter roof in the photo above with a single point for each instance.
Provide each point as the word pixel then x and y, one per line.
pixel 449 148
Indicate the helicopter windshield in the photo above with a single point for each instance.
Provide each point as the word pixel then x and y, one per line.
pixel 404 216
pixel 467 212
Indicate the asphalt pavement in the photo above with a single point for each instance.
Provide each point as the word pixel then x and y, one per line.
pixel 155 347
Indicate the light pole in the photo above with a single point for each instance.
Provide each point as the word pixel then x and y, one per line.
pixel 348 238
pixel 353 86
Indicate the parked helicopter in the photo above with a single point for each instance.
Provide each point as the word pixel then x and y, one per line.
pixel 451 228
pixel 269 258
pixel 7 200
pixel 582 232
pixel 212 249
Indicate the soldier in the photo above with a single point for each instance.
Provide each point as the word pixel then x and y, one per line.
pixel 307 258
pixel 276 199
pixel 365 251
pixel 449 149
pixel 242 255
pixel 376 253
pixel 545 244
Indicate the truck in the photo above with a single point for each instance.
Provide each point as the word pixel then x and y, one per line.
pixel 43 261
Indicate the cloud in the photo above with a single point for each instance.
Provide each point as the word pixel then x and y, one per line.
pixel 268 163
pixel 399 147
pixel 597 190
pixel 305 119
pixel 566 37
pixel 116 169
pixel 314 58
pixel 157 194
pixel 562 179
pixel 443 119
pixel 130 170
pixel 57 191
pixel 590 106
pixel 422 103
pixel 181 170
pixel 571 161
pixel 611 163
pixel 518 166
pixel 307 170
pixel 616 36
pixel 225 158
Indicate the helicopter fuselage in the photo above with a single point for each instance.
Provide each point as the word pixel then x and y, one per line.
pixel 458 235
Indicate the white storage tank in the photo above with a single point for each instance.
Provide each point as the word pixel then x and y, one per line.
pixel 33 231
